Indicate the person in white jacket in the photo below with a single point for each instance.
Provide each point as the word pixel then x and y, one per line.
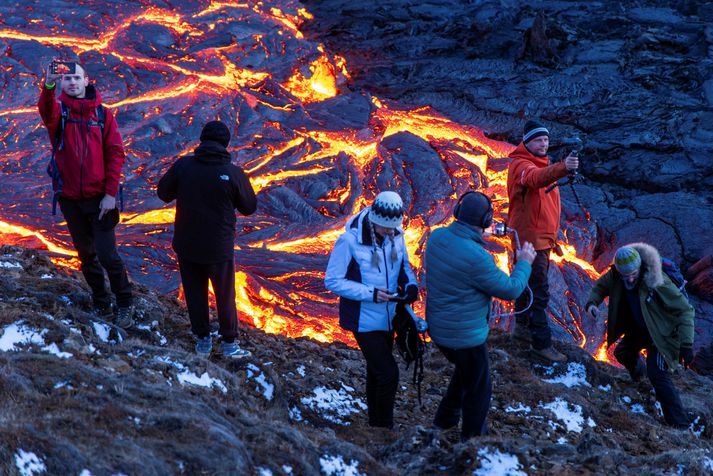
pixel 370 271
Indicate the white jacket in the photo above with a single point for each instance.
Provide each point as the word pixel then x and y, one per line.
pixel 351 275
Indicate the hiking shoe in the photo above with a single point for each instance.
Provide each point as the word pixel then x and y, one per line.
pixel 204 346
pixel 103 311
pixel 521 333
pixel 124 317
pixel 551 354
pixel 639 371
pixel 233 350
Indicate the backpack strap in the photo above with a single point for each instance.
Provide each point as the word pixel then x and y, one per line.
pixel 58 144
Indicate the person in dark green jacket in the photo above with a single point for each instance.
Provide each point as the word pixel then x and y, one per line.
pixel 651 313
pixel 461 279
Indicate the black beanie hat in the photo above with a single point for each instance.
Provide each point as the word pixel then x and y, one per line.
pixel 217 132
pixel 472 209
pixel 533 129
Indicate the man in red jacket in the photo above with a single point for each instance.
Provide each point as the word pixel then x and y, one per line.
pixel 88 158
pixel 535 214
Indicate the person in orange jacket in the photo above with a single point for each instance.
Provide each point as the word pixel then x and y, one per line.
pixel 535 215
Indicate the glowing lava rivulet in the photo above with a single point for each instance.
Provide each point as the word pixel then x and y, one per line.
pixel 315 151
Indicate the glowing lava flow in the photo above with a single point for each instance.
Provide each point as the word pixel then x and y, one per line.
pixel 227 60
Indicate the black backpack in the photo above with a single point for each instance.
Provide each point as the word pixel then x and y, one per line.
pixel 410 343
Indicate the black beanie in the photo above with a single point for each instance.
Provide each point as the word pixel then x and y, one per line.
pixel 472 209
pixel 217 132
pixel 533 129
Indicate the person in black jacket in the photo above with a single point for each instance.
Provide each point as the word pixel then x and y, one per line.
pixel 208 188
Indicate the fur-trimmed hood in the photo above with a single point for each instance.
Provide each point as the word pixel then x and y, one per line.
pixel 652 275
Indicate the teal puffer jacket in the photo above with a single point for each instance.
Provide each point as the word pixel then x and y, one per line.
pixel 461 279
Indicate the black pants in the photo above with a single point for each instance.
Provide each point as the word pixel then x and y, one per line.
pixel 95 242
pixel 382 375
pixel 468 393
pixel 627 353
pixel 535 318
pixel 195 277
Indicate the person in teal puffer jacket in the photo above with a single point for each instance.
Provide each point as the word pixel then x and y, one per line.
pixel 461 280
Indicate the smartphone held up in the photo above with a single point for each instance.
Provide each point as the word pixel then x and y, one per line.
pixel 62 67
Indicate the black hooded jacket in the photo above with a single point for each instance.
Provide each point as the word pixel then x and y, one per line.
pixel 208 189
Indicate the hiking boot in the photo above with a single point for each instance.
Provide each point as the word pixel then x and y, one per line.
pixel 639 371
pixel 521 333
pixel 103 311
pixel 551 354
pixel 204 346
pixel 124 317
pixel 233 350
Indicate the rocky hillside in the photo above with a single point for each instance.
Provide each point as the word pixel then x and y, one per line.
pixel 82 397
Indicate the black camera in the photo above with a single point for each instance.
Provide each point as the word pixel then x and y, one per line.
pixel 500 229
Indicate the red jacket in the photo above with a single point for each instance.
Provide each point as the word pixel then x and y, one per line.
pixel 533 213
pixel 89 165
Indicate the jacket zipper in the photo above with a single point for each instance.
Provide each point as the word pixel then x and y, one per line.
pixel 386 272
pixel 81 155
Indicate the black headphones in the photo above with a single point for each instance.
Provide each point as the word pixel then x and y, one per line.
pixel 487 219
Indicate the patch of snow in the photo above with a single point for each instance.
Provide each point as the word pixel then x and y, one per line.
pixel 264 471
pixel 576 375
pixel 287 469
pixel 46 276
pixel 256 374
pixel 28 463
pixel 493 462
pixel 659 409
pixel 334 404
pixel 605 388
pixel 708 463
pixel 335 465
pixel 562 440
pixel 10 264
pixel 54 350
pixel 301 370
pixel 62 385
pixel 569 414
pixel 638 408
pixel 102 330
pixel 85 472
pixel 520 408
pixel 66 300
pixel 696 427
pixel 626 399
pixel 17 333
pixel 168 360
pixel 295 414
pixel 205 380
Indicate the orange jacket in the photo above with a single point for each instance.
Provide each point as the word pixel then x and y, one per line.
pixel 533 213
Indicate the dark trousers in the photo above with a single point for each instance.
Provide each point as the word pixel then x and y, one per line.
pixel 195 277
pixel 468 393
pixel 535 318
pixel 382 375
pixel 95 242
pixel 628 351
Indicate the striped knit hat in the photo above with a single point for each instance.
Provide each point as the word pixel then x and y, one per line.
pixel 387 210
pixel 533 129
pixel 627 260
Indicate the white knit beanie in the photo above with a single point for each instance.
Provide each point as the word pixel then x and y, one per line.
pixel 387 210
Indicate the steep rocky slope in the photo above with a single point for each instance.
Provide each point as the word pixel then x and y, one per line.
pixel 79 396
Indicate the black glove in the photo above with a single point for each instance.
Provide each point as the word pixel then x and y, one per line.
pixel 685 355
pixel 411 294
